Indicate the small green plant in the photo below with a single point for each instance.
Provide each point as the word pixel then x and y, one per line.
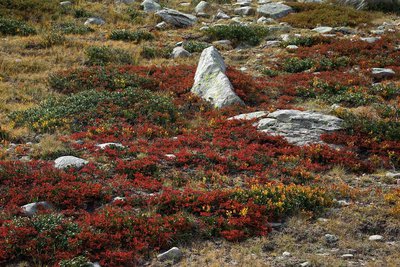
pixel 194 46
pixel 15 27
pixel 251 35
pixel 105 55
pixel 53 38
pixel 81 13
pixel 136 36
pixel 72 28
pixel 294 65
pixel 155 52
pixel 37 10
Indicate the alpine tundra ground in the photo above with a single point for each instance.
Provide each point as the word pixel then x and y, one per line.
pixel 120 145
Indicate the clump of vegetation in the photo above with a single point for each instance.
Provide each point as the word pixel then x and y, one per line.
pixel 36 10
pixel 126 35
pixel 81 13
pixel 79 110
pixel 15 27
pixel 195 46
pixel 101 78
pixel 307 41
pixel 309 15
pixel 105 55
pixel 72 28
pixel 251 35
pixel 149 52
pixel 294 65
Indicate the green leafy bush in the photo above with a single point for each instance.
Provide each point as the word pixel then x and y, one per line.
pixel 15 27
pixel 72 28
pixel 309 15
pixel 294 65
pixel 155 52
pixel 101 78
pixel 251 35
pixel 105 55
pixel 79 110
pixel 36 10
pixel 126 35
pixel 194 46
pixel 81 13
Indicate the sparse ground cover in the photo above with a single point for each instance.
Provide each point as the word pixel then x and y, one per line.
pixel 174 171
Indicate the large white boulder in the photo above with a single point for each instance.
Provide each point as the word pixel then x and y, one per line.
pixel 210 81
pixel 69 161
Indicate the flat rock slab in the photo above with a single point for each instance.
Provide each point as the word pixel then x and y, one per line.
pixel 274 10
pixel 382 73
pixel 31 208
pixel 299 127
pixel 176 18
pixel 69 161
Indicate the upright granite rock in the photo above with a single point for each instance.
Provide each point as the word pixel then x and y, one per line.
pixel 176 18
pixel 274 10
pixel 210 81
pixel 299 127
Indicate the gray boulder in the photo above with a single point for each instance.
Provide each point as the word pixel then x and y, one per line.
pixel 201 7
pixel 323 30
pixel 299 127
pixel 244 11
pixel 176 18
pixel 69 161
pixel 222 15
pixel 210 81
pixel 65 3
pixel 274 10
pixel 382 73
pixel 179 51
pixel 150 6
pixel 174 254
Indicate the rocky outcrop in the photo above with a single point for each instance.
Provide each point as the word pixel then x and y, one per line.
pixel 299 127
pixel 176 18
pixel 274 10
pixel 210 81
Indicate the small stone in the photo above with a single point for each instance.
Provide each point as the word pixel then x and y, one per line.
pixel 249 116
pixel 323 30
pixel 343 203
pixel 375 238
pixel 322 220
pixel 331 239
pixel 222 15
pixel 162 25
pixel 274 10
pixel 201 7
pixel 65 3
pixel 370 40
pixel 176 18
pixel 393 174
pixel 105 145
pixel 347 256
pixel 94 21
pixel 174 254
pixel 150 6
pixel 292 47
pixel 31 208
pixel 244 11
pixel 118 199
pixel 273 43
pixel 286 254
pixel 179 52
pixel 305 264
pixel 170 156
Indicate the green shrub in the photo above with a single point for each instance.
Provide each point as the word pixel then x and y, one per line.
pixel 100 78
pixel 84 108
pixel 136 36
pixel 15 27
pixel 376 128
pixel 106 55
pixel 155 52
pixel 294 65
pixel 194 46
pixel 37 10
pixel 72 28
pixel 251 35
pixel 309 15
pixel 307 41
pixel 325 63
pixel 134 14
pixel 81 13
